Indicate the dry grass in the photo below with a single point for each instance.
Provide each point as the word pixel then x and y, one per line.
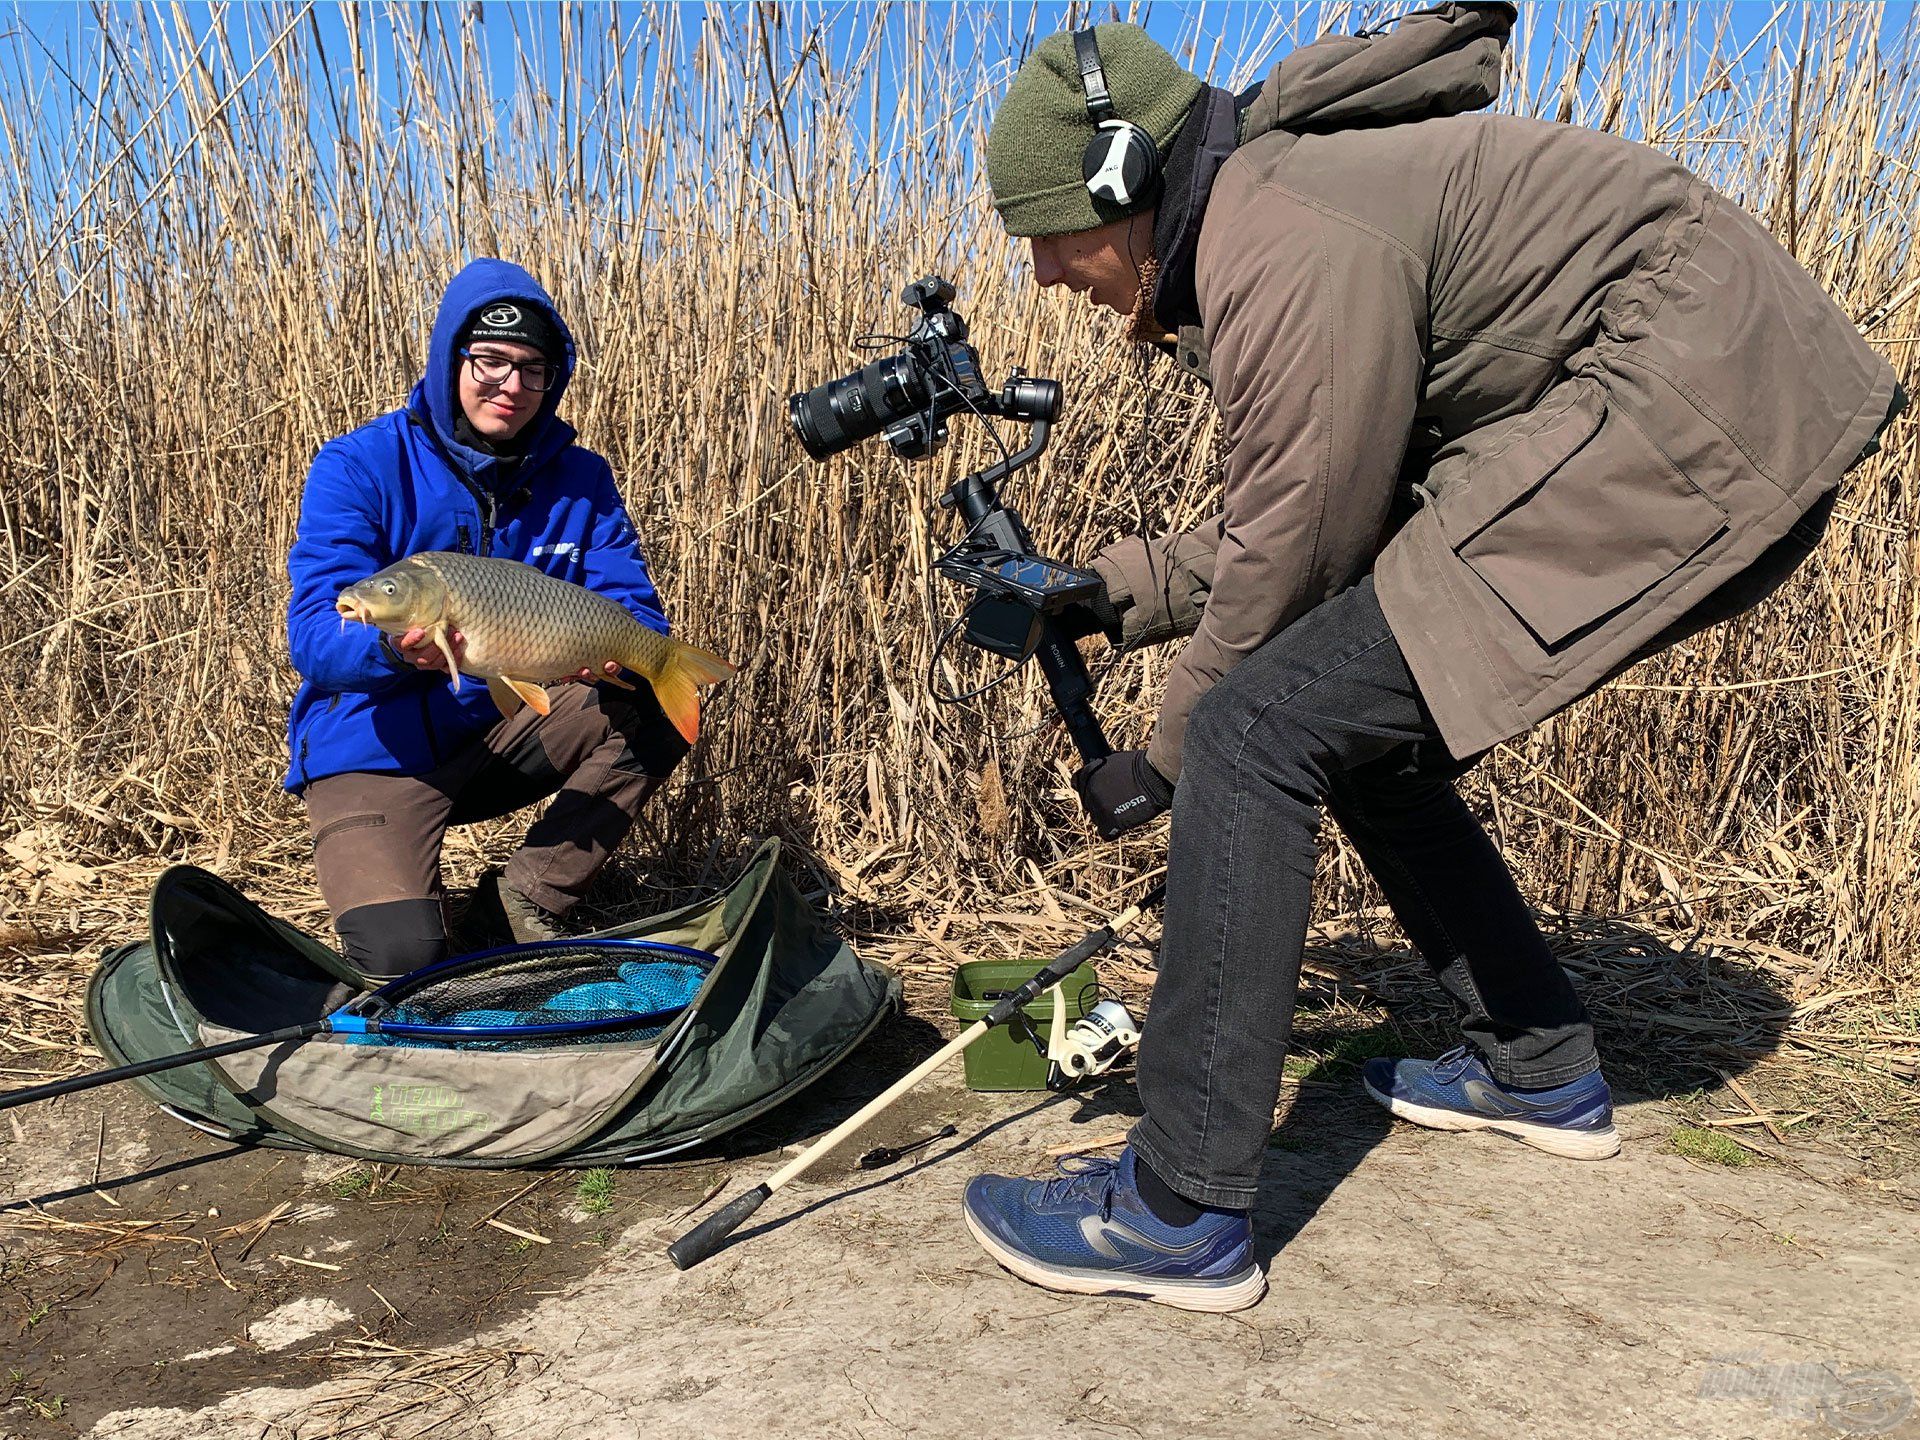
pixel 224 247
pixel 395 1391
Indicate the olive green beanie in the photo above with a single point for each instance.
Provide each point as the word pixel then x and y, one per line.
pixel 1041 129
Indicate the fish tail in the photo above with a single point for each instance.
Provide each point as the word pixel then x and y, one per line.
pixel 687 667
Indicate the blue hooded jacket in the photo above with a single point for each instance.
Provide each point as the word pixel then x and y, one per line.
pixel 402 484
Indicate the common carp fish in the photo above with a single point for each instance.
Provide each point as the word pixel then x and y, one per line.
pixel 523 628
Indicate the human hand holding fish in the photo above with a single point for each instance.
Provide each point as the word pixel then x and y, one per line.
pixel 520 629
pixel 418 649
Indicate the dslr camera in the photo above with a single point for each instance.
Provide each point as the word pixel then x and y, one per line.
pixel 908 398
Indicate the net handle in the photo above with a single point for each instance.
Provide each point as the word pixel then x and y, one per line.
pixel 346 1021
pixel 342 1023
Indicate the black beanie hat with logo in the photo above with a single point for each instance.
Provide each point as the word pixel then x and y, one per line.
pixel 518 322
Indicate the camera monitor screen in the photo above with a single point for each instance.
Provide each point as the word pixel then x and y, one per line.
pixel 1031 579
pixel 1030 572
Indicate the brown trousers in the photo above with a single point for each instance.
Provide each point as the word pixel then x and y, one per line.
pixel 377 837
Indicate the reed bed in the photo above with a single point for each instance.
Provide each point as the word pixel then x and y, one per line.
pixel 224 240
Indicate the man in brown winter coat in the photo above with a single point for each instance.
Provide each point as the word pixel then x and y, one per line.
pixel 1508 406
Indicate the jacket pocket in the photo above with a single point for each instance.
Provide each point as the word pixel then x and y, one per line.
pixel 1573 513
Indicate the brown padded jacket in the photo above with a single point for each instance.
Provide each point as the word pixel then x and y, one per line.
pixel 1609 387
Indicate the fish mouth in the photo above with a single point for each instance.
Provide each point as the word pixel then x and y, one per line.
pixel 352 609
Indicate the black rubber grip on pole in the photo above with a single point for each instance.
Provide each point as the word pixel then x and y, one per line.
pixel 711 1233
pixel 164 1062
pixel 1064 964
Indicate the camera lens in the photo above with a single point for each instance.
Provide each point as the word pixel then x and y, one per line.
pixel 831 417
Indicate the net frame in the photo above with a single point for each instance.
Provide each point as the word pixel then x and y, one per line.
pixel 364 1014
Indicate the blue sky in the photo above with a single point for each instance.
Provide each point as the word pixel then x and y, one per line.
pixel 50 52
pixel 1217 37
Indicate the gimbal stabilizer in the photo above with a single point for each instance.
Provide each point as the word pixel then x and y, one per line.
pixel 908 397
pixel 1019 623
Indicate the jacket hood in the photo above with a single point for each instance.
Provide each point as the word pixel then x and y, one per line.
pixel 1443 61
pixel 1433 62
pixel 435 400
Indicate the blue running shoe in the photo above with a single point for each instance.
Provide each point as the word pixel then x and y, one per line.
pixel 1088 1232
pixel 1456 1092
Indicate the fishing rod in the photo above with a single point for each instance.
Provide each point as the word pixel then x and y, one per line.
pixel 704 1239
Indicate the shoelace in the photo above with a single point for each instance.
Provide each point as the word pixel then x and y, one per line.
pixel 1449 1066
pixel 1083 1177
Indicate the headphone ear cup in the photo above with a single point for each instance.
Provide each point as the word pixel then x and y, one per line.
pixel 1120 164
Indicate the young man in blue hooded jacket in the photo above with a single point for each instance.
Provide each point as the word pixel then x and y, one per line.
pixel 384 752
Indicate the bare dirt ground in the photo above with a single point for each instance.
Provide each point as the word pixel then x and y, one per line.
pixel 1422 1285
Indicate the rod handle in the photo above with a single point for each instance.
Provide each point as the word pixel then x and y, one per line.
pixel 1070 959
pixel 711 1233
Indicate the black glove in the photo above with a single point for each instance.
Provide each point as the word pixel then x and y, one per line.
pixel 1095 615
pixel 1121 791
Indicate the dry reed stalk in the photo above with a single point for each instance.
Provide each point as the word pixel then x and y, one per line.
pixel 224 246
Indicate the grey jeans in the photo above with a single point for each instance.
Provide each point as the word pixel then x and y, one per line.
pixel 1327 714
pixel 1324 713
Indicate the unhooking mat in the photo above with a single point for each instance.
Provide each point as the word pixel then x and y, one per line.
pixel 786 1000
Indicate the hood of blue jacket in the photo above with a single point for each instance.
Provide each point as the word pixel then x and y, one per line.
pixel 435 401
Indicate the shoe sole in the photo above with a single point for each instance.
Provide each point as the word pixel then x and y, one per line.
pixel 1568 1144
pixel 1213 1297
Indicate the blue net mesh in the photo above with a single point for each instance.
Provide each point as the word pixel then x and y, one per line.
pixel 583 986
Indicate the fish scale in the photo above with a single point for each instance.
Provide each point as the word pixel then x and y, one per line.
pixel 521 621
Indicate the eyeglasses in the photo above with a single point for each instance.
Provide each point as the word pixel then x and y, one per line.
pixel 537 375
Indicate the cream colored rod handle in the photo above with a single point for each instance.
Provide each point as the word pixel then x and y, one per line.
pixel 711 1234
pixel 807 1158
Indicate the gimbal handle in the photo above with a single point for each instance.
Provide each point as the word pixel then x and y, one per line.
pixel 975 497
pixel 1072 690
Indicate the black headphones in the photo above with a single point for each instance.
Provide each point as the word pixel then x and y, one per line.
pixel 1121 164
